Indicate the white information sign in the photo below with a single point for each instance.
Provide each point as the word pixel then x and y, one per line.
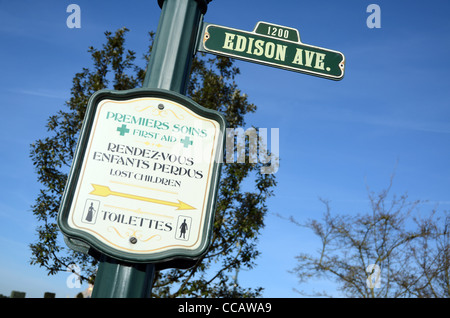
pixel 146 176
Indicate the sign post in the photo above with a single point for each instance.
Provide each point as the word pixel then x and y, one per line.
pixel 141 191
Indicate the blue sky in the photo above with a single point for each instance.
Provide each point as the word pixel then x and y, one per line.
pixel 390 112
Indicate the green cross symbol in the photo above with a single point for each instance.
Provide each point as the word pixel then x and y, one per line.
pixel 186 142
pixel 123 130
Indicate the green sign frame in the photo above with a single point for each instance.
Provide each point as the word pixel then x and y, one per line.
pixel 272 45
pixel 87 241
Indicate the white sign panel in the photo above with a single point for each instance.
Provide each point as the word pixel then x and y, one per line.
pixel 146 176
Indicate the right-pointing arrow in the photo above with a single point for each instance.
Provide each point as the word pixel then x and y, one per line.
pixel 104 191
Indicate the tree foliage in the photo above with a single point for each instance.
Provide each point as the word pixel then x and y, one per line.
pixel 390 252
pixel 239 214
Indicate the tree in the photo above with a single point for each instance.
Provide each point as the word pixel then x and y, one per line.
pixel 239 214
pixel 389 252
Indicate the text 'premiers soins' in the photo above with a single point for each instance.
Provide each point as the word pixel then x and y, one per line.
pixel 156 124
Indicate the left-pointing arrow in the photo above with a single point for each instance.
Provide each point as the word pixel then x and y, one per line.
pixel 104 191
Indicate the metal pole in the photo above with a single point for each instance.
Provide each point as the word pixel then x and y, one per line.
pixel 123 280
pixel 168 68
pixel 174 45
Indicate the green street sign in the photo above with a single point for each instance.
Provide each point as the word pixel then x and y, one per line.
pixel 145 175
pixel 272 45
